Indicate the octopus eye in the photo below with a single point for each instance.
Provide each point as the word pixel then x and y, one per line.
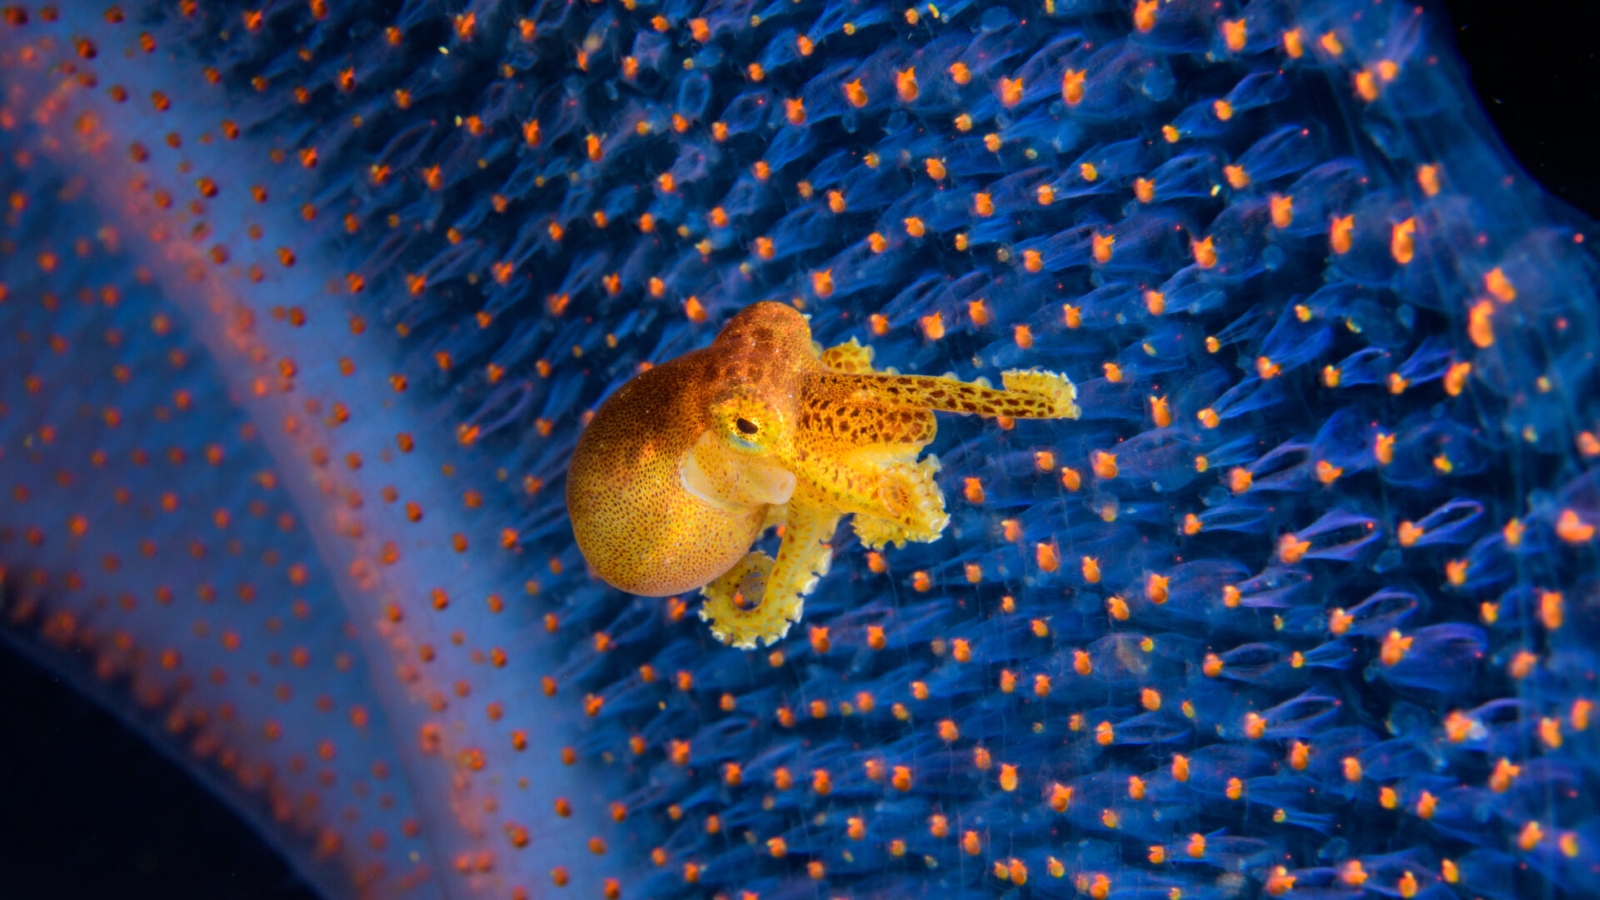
pixel 746 426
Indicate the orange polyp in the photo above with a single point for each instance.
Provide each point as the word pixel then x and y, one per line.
pixel 1340 233
pixel 1233 34
pixel 1428 179
pixel 1572 529
pixel 1072 86
pixel 1144 15
pixel 1365 85
pixel 1102 246
pixel 1499 286
pixel 1010 92
pixel 1402 242
pixel 1282 209
pixel 1160 412
pixel 822 283
pixel 905 85
pixel 1047 556
pixel 1479 327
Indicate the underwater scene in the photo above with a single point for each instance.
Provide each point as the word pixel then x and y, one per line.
pixel 1253 555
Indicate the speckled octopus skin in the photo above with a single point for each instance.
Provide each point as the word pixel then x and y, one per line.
pixel 306 306
pixel 683 467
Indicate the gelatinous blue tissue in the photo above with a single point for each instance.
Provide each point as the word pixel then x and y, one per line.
pixel 304 306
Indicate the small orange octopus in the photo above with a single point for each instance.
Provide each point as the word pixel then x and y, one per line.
pixel 687 464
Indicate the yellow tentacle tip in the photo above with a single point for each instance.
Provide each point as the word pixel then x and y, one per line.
pixel 1057 389
pixel 736 610
pixel 852 357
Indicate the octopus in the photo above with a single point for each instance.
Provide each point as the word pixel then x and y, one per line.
pixel 685 466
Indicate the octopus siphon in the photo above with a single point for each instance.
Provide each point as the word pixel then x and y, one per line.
pixel 687 464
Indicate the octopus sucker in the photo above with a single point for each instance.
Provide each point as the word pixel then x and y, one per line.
pixel 686 465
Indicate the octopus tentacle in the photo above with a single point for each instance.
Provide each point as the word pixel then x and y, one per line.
pixel 831 423
pixel 851 357
pixel 1028 394
pixel 782 584
pixel 915 506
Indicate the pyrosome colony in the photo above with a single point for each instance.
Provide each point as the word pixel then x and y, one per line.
pixel 303 307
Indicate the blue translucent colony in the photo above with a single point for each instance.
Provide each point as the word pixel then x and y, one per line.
pixel 304 305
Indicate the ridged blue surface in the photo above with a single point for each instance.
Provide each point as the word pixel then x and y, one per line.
pixel 1304 605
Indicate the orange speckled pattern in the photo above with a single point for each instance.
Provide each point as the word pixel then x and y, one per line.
pixel 684 466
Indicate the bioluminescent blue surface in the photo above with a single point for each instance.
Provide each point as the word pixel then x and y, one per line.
pixel 304 304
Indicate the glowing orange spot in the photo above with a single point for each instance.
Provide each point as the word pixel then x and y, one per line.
pixel 1144 15
pixel 1383 448
pixel 1282 209
pixel 1160 412
pixel 1072 86
pixel 1340 233
pixel 1366 86
pixel 1428 179
pixel 1402 241
pixel 1395 646
pixel 1091 570
pixel 1572 529
pixel 1010 92
pixel 1581 711
pixel 1117 608
pixel 1512 532
pixel 855 93
pixel 1409 533
pixel 1291 549
pixel 1101 246
pixel 1104 464
pixel 1233 34
pixel 905 85
pixel 1521 665
pixel 822 283
pixel 1205 255
pixel 1279 882
pixel 1047 556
